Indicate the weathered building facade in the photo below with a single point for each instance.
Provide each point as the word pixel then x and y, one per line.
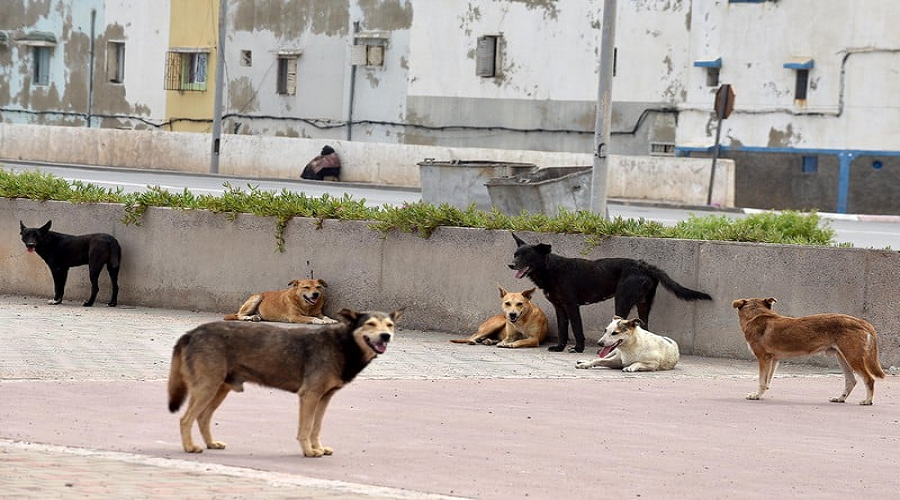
pixel 814 125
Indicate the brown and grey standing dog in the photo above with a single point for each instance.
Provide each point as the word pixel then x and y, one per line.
pixel 773 337
pixel 214 359
pixel 301 303
pixel 521 324
pixel 627 346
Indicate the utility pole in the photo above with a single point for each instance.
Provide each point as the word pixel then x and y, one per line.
pixel 604 109
pixel 217 104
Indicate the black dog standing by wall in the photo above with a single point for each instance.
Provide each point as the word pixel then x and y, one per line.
pixel 62 251
pixel 570 282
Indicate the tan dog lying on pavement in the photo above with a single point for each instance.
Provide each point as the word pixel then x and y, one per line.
pixel 627 346
pixel 522 323
pixel 302 303
pixel 773 337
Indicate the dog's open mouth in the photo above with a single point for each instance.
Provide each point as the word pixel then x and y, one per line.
pixel 521 273
pixel 30 249
pixel 311 300
pixel 378 346
pixel 605 350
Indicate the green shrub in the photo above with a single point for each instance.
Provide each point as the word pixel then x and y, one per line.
pixel 420 218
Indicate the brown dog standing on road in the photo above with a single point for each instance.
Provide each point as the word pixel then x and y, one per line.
pixel 773 337
pixel 302 303
pixel 214 359
pixel 522 323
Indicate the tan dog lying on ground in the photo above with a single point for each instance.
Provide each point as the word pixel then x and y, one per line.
pixel 627 346
pixel 773 337
pixel 302 303
pixel 521 324
pixel 214 359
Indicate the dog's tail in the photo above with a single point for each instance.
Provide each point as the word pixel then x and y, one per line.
pixel 230 317
pixel 460 341
pixel 669 284
pixel 873 365
pixel 177 388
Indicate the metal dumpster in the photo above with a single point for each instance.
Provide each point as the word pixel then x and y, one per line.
pixel 462 182
pixel 543 190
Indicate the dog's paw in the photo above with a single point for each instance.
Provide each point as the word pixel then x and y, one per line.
pixel 488 342
pixel 88 303
pixel 216 445
pixel 753 396
pixel 556 348
pixel 255 318
pixel 840 399
pixel 582 364
pixel 192 448
pixel 313 452
pixel 53 302
pixel 327 321
pixel 866 402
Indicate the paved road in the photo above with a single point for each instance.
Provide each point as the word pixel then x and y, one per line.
pixel 861 231
pixel 83 416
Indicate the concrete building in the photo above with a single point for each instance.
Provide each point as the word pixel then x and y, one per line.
pixel 814 124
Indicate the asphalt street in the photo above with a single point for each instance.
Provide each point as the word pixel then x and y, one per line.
pixel 84 415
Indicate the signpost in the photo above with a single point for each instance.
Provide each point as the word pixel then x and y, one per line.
pixel 724 105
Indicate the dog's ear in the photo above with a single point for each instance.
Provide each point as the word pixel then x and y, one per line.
pixel 45 228
pixel 396 314
pixel 322 282
pixel 770 301
pixel 528 293
pixel 519 241
pixel 21 228
pixel 294 283
pixel 739 303
pixel 634 323
pixel 503 291
pixel 543 248
pixel 348 315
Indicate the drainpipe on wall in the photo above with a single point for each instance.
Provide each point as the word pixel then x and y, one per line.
pixel 90 96
pixel 352 87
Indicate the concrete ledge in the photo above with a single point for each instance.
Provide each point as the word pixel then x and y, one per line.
pixel 203 261
pixel 648 178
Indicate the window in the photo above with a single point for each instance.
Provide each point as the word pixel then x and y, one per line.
pixel 186 70
pixel 810 165
pixel 368 48
pixel 41 65
pixel 802 65
pixel 487 56
pixel 802 84
pixel 246 58
pixel 287 75
pixel 115 62
pixel 712 68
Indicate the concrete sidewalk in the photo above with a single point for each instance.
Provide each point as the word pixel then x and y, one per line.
pixel 83 416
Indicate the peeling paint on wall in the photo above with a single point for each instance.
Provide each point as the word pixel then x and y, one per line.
pixel 783 139
pixel 287 18
pixel 387 15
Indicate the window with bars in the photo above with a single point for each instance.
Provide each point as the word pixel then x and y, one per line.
pixel 287 75
pixel 115 62
pixel 186 70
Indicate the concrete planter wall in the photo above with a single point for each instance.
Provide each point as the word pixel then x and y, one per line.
pixel 200 260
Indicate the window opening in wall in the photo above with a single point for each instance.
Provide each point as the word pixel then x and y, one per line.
pixel 486 56
pixel 712 67
pixel 186 70
pixel 802 84
pixel 368 48
pixel 810 165
pixel 877 164
pixel 41 65
pixel 115 62
pixel 662 149
pixel 287 75
pixel 246 58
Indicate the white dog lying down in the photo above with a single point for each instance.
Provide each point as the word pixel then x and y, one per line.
pixel 627 346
